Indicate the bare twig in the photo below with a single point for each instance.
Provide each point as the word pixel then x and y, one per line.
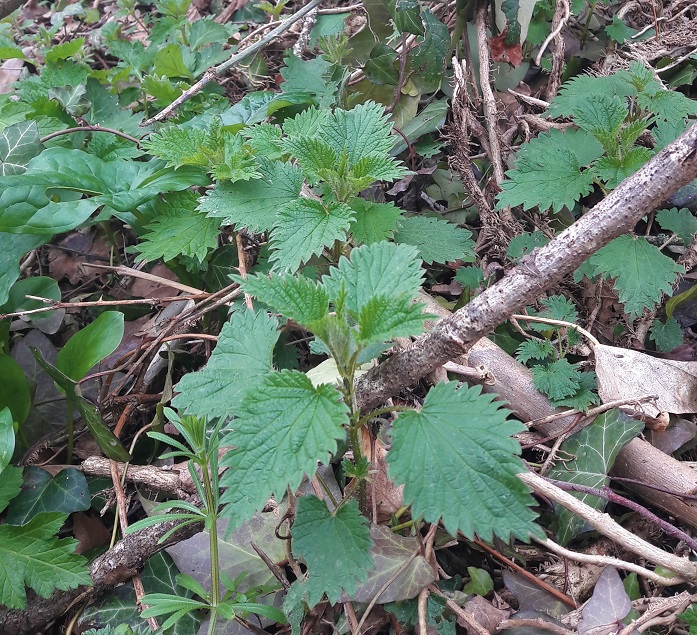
pixel 135 273
pixel 95 128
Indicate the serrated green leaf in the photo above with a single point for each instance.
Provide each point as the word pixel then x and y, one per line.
pixel 383 318
pixel 470 277
pixel 179 146
pixel 243 354
pixel 667 105
pixel 602 115
pixel 312 78
pixel 179 230
pixel 594 449
pixel 667 336
pixel 91 345
pixel 64 50
pixel 383 269
pixel 207 31
pixel 19 144
pixel 642 273
pixel 461 468
pixel 690 617
pixel 585 397
pixel 613 170
pixel 255 204
pixel 296 297
pixel 548 174
pixel 65 493
pixel 679 221
pixel 437 240
pixel 534 349
pixel 331 542
pixel 576 91
pixel 524 243
pixel 558 307
pixel 32 555
pixel 557 380
pixel 373 222
pixel 287 425
pixel 303 228
pixel 618 30
pixel 265 140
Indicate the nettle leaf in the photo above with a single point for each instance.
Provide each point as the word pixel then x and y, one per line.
pixel 383 318
pixel 585 396
pixel 255 204
pixel 264 139
pixel 602 115
pixel 179 230
pixel 303 228
pixel 360 132
pixel 574 93
pixel 32 555
pixel 667 105
pixel 557 380
pixel 642 273
pixel 295 296
pixel 381 269
pixel 373 222
pixel 19 144
pixel 243 354
pixel 436 239
pixel 330 542
pixel 91 345
pixel 458 464
pixel 66 492
pixel 286 425
pixel 179 146
pixel 594 449
pixel 550 173
pixel 667 336
pixel 522 244
pixel 534 349
pixel 679 221
pixel 615 170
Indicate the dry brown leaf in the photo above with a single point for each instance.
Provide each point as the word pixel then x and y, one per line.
pixel 624 373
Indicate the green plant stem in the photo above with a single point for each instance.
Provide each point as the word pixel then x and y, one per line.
pixel 71 429
pixel 213 543
pixel 380 411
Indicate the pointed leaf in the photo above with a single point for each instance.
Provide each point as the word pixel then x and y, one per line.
pixel 331 542
pixel 288 426
pixel 296 297
pixel 437 240
pixel 304 227
pixel 382 269
pixel 459 463
pixel 19 143
pixel 242 356
pixel 383 318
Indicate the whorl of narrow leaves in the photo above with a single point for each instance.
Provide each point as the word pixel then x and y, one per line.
pixel 458 464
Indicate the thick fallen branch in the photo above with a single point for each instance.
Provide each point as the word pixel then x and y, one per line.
pixel 545 267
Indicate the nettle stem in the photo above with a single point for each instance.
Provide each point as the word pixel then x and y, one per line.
pixel 212 509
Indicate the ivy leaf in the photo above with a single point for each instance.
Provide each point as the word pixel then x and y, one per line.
pixel 384 318
pixel 66 492
pixel 428 58
pixel 32 555
pixel 383 269
pixel 407 16
pixel 679 221
pixel 557 380
pixel 19 144
pixel 331 542
pixel 373 222
pixel 303 228
pixel 549 174
pixel 437 240
pixel 255 204
pixel 462 468
pixel 295 296
pixel 594 449
pixel 381 68
pixel 286 425
pixel 642 273
pixel 243 354
pixel 178 230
